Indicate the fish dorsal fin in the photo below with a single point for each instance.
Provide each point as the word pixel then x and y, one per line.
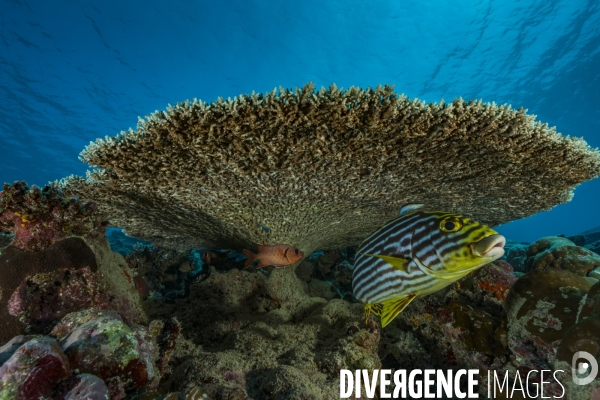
pixel 410 207
pixel 399 263
pixel 391 308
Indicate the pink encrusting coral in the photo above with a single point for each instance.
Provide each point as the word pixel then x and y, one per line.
pixel 33 370
pixel 82 387
pixel 40 217
pixel 44 299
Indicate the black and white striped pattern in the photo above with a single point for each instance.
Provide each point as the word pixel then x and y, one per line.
pixel 417 237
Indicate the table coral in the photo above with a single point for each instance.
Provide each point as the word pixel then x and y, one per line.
pixel 324 169
pixel 40 217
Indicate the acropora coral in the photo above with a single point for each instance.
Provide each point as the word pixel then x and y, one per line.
pixel 322 169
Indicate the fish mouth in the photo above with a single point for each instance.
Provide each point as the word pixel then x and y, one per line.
pixel 489 247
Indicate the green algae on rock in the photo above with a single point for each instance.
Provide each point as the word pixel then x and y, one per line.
pixel 323 169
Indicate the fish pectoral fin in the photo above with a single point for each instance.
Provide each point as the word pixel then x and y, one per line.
pixel 376 309
pixel 371 308
pixel 399 263
pixel 391 308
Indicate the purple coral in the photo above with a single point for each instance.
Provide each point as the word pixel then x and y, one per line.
pixel 122 358
pixel 82 387
pixel 19 267
pixel 34 369
pixel 43 299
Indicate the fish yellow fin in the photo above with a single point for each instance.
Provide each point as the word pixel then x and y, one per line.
pixel 393 307
pixel 376 309
pixel 397 262
pixel 371 308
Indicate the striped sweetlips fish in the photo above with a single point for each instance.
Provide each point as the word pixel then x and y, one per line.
pixel 416 254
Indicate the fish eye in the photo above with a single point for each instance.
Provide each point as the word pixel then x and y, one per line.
pixel 450 225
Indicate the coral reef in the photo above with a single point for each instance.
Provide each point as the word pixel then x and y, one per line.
pixel 272 333
pixel 38 288
pixel 5 240
pixel 82 387
pixel 323 169
pixel 33 370
pixel 595 247
pixel 329 273
pixel 516 254
pixel 121 358
pixel 43 299
pixel 592 302
pixel 541 307
pixel 69 254
pixel 159 270
pixel 123 244
pixel 40 217
pixel 559 252
pixel 260 335
pixel 127 355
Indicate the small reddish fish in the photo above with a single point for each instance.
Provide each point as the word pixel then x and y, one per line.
pixel 278 255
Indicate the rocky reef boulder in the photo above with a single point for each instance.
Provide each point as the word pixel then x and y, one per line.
pixel 562 253
pixel 541 307
pixel 89 355
pixel 553 313
pixel 33 369
pixel 58 261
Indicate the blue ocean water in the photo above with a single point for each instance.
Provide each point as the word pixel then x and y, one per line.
pixel 72 71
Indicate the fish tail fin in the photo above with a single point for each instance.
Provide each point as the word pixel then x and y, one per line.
pixel 251 257
pixel 391 308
